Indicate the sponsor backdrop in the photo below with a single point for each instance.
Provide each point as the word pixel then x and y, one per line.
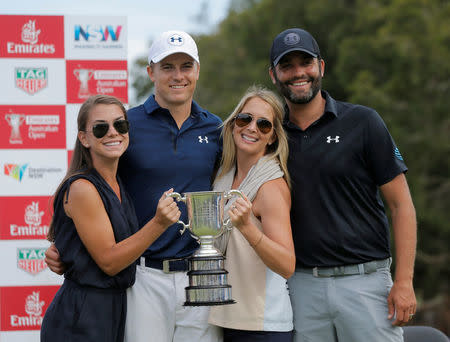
pixel 50 65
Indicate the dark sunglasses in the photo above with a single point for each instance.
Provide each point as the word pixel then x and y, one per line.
pixel 121 126
pixel 243 119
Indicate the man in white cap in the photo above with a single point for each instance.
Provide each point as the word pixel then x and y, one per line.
pixel 174 143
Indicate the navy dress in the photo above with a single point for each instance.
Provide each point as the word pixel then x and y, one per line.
pixel 90 305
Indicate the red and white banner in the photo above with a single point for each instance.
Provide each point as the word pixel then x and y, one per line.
pixel 49 66
pixel 29 127
pixel 86 78
pixel 25 218
pixel 31 36
pixel 23 307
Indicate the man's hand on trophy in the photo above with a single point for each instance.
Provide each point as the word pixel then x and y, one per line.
pixel 240 213
pixel 167 211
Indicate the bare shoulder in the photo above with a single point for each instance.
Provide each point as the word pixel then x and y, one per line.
pixel 83 195
pixel 274 188
pixel 273 194
pixel 82 188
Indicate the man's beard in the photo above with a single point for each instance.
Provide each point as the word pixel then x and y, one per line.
pixel 283 88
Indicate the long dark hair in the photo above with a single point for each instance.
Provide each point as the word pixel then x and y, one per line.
pixel 81 161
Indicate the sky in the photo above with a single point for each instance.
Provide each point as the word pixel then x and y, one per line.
pixel 146 18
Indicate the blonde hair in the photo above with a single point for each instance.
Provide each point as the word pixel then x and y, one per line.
pixel 278 149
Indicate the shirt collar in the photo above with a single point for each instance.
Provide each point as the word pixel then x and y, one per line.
pixel 330 108
pixel 150 106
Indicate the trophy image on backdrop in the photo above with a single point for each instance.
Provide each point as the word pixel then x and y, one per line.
pixel 83 75
pixel 207 277
pixel 15 120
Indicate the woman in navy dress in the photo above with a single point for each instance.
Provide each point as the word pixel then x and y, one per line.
pixel 95 230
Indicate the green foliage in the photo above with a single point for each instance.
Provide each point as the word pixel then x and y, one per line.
pixel 391 55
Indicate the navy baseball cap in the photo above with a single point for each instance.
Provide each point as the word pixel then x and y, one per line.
pixel 293 39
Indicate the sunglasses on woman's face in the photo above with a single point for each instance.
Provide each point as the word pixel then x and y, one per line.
pixel 121 126
pixel 244 119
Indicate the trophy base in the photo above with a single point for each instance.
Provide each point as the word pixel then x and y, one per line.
pixel 207 278
pixel 206 263
pixel 208 295
pixel 209 303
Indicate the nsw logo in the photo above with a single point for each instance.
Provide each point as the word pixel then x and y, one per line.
pixel 97 33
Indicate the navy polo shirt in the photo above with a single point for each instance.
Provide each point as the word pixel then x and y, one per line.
pixel 337 165
pixel 161 156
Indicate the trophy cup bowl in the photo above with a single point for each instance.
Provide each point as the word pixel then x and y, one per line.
pixel 208 280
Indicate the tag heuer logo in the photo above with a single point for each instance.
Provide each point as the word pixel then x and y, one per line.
pixel 31 80
pixel 31 260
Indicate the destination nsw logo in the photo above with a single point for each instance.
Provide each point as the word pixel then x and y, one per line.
pixel 30 42
pixel 97 33
pixel 15 171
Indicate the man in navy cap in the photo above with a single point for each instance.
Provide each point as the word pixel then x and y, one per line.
pixel 340 156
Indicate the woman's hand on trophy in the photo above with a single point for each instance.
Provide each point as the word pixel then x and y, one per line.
pixel 240 213
pixel 167 211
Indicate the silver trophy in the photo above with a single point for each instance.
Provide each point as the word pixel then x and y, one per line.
pixel 207 277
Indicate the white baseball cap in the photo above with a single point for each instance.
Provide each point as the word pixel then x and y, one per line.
pixel 171 42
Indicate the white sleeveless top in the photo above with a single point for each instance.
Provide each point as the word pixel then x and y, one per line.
pixel 261 295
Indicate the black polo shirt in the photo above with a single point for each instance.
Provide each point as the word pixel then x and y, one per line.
pixel 337 165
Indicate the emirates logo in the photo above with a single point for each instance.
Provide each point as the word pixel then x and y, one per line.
pixel 33 306
pixel 29 32
pixel 33 216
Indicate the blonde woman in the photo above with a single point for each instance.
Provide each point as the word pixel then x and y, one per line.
pixel 260 252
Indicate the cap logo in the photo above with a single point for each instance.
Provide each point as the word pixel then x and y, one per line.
pixel 291 38
pixel 176 39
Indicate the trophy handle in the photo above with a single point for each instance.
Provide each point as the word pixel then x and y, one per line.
pixel 228 195
pixel 232 193
pixel 179 198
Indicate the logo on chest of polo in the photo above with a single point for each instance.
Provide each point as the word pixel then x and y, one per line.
pixel 202 140
pixel 335 139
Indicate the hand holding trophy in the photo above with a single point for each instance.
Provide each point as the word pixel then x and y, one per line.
pixel 207 276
